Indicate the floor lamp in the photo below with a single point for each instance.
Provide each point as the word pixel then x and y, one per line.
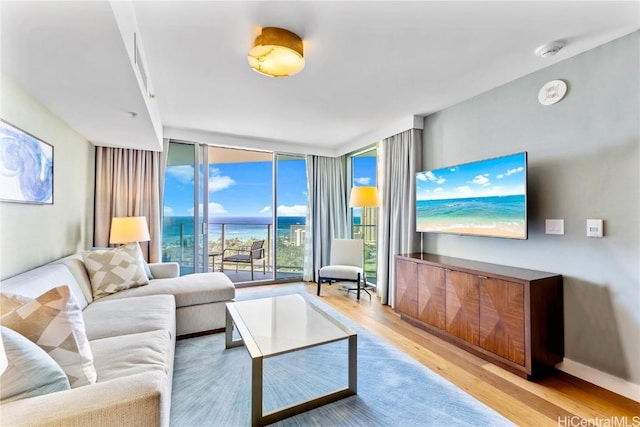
pixel 364 197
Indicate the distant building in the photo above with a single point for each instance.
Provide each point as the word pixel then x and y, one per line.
pixel 297 234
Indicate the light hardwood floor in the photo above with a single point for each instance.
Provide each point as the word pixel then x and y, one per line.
pixel 556 400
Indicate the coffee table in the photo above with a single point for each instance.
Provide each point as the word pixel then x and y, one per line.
pixel 274 326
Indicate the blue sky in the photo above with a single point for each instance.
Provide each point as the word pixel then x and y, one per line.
pixel 501 176
pixel 244 189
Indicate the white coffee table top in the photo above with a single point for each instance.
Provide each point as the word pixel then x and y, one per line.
pixel 286 323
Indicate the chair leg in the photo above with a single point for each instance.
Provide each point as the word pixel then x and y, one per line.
pixel 252 269
pixel 358 286
pixel 319 281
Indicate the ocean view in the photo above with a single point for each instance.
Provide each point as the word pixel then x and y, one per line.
pixel 503 214
pixel 243 228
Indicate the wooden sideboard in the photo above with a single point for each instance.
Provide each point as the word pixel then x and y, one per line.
pixel 512 317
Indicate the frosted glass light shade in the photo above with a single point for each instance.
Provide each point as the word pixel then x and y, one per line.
pixel 129 229
pixel 364 197
pixel 277 53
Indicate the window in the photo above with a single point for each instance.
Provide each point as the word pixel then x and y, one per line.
pixel 364 223
pixel 222 198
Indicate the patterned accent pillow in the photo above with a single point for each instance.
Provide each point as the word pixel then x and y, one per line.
pixel 115 270
pixel 54 322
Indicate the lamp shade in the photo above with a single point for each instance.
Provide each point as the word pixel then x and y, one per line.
pixel 364 197
pixel 277 53
pixel 129 229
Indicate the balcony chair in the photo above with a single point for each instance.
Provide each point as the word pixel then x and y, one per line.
pixel 347 265
pixel 245 256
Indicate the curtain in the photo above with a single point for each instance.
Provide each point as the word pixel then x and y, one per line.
pixel 400 158
pixel 327 210
pixel 128 184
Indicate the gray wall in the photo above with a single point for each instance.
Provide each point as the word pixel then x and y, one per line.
pixel 583 163
pixel 31 235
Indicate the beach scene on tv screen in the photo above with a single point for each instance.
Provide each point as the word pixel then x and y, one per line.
pixel 485 198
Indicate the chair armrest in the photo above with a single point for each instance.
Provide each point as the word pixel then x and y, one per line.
pixel 164 270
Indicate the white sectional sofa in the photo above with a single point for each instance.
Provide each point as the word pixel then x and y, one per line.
pixel 131 335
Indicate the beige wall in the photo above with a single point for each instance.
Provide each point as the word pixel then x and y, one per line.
pixel 583 163
pixel 31 235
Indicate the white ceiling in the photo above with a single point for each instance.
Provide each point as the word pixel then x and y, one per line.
pixel 370 66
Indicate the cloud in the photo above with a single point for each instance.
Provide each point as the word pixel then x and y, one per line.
pixel 183 173
pixel 214 209
pixel 481 179
pixel 500 176
pixel 266 209
pixel 431 177
pixel 516 170
pixel 295 210
pixel 465 189
pixel 420 176
pixel 364 180
pixel 168 211
pixel 219 182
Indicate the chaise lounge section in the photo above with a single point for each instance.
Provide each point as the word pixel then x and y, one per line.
pixel 131 335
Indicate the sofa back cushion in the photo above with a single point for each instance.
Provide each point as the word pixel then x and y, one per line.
pixel 76 266
pixel 39 280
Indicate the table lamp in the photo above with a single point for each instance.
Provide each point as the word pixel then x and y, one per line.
pixel 129 229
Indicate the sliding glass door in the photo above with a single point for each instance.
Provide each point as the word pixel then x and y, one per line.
pixel 365 220
pixel 179 227
pixel 291 200
pixel 221 200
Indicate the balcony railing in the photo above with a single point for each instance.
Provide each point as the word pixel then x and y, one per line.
pixel 237 235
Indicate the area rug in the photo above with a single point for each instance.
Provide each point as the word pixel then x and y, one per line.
pixel 212 386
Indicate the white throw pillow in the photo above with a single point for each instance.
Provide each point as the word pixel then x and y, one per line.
pixel 115 270
pixel 54 322
pixel 30 371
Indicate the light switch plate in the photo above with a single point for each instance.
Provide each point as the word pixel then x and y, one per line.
pixel 554 226
pixel 594 228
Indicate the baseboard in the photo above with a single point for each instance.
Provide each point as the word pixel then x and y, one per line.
pixel 601 379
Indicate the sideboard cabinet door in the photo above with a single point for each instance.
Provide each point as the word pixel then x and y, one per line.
pixel 462 307
pixel 431 295
pixel 502 323
pixel 407 287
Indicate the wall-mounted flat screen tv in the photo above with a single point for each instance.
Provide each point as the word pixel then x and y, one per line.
pixel 483 198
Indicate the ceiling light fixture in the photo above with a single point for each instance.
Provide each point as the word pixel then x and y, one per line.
pixel 277 53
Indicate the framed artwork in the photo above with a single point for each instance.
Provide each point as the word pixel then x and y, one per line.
pixel 26 167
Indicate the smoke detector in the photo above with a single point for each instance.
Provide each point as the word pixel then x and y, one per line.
pixel 550 49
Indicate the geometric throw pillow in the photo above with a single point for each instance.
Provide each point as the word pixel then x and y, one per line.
pixel 30 371
pixel 115 270
pixel 54 322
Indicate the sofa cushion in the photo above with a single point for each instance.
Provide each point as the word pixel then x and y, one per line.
pixel 112 271
pixel 109 318
pixel 54 322
pixel 192 289
pixel 35 282
pixel 136 353
pixel 30 371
